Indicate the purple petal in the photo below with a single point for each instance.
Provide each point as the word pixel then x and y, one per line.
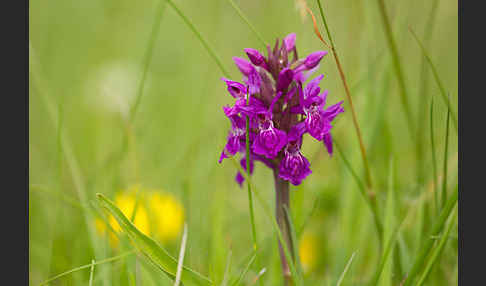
pixel 255 57
pixel 254 81
pixel 243 65
pixel 285 77
pixel 294 168
pixel 289 41
pixel 235 88
pixel 332 111
pixel 312 88
pixel 313 59
pixel 296 131
pixel 328 143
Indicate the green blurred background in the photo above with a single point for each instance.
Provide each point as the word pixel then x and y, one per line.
pixel 89 59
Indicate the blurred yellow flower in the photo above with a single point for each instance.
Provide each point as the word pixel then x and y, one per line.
pixel 168 214
pixel 163 218
pixel 308 251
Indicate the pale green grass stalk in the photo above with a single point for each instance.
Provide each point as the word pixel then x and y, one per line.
pixel 444 176
pixel 434 257
pixel 250 200
pixel 346 268
pixel 353 112
pixel 206 45
pixel 227 269
pixel 245 19
pixel 434 161
pixel 148 57
pixel 91 273
pixel 361 188
pixel 243 273
pixel 397 66
pixel 437 79
pixel 92 264
pixel 293 235
pixel 180 262
pixel 424 80
pixel 428 243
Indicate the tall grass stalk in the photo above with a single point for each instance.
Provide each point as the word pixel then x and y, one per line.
pixel 361 188
pixel 203 41
pixel 428 243
pixel 250 199
pixel 424 80
pixel 434 161
pixel 245 19
pixel 350 100
pixel 443 92
pixel 444 174
pixel 397 66
pixel 434 257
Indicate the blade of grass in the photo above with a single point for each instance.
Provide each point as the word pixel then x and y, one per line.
pixel 434 161
pixel 148 57
pixel 227 269
pixel 397 66
pixel 361 188
pixel 250 200
pixel 341 278
pixel 200 38
pixel 181 256
pixel 424 80
pixel 434 257
pixel 348 95
pixel 91 272
pixel 428 243
pixel 386 278
pixel 92 264
pixel 444 176
pixel 243 17
pixel 150 248
pixel 437 79
pixel 243 273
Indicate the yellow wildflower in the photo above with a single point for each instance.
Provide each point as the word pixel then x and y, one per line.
pixel 168 214
pixel 308 251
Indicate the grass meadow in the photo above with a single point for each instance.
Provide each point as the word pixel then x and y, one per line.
pixel 125 100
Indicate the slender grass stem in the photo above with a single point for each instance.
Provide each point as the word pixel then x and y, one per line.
pixel 371 203
pixel 444 176
pixel 245 19
pixel 91 273
pixel 148 57
pixel 434 161
pixel 397 66
pixel 248 160
pixel 443 92
pixel 438 249
pixel 180 262
pixel 351 105
pixel 111 259
pixel 428 243
pixel 200 38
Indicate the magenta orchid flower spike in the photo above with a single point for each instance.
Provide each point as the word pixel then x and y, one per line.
pixel 281 109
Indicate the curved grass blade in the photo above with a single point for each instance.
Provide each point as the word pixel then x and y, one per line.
pixel 150 248
pixel 243 273
pixel 293 236
pixel 346 268
pixel 437 79
pixel 227 270
pixel 434 161
pixel 88 266
pixel 398 67
pixel 444 176
pixel 148 56
pixel 243 17
pixel 438 250
pixel 250 199
pixel 425 249
pixel 201 39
